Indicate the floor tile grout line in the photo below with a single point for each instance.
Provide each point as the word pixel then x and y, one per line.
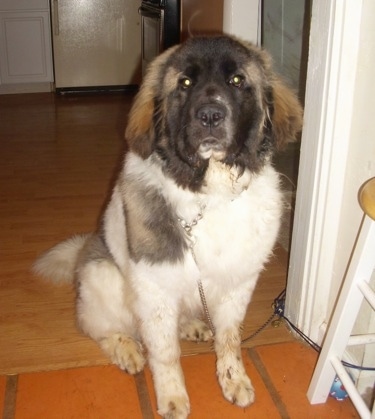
pixel 143 395
pixel 10 397
pixel 271 389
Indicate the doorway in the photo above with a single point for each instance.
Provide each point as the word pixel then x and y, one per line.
pixel 285 35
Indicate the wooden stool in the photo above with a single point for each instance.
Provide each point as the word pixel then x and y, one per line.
pixel 355 288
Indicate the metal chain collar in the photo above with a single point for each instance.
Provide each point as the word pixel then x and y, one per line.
pixel 188 227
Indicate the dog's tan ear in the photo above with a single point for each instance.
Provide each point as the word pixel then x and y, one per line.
pixel 285 110
pixel 287 114
pixel 139 132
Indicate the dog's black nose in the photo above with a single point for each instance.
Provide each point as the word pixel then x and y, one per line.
pixel 211 115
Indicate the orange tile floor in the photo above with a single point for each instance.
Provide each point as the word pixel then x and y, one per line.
pixel 280 374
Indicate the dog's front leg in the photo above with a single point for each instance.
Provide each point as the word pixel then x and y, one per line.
pixel 160 335
pixel 235 383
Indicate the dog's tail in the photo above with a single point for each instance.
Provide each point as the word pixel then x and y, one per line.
pixel 58 263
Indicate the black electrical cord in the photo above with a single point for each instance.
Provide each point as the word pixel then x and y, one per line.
pixel 279 310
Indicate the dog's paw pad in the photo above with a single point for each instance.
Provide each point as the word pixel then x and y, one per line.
pixel 125 352
pixel 196 331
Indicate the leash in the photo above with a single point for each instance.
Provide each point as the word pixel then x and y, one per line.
pixel 278 310
pixel 188 227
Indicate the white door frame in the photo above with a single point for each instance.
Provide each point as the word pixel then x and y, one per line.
pixel 333 55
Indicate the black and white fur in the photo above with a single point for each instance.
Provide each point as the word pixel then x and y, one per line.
pixel 201 134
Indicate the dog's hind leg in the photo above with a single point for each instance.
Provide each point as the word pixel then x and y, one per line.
pixel 195 330
pixel 103 313
pixel 124 351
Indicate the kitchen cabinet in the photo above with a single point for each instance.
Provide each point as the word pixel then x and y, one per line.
pixel 25 42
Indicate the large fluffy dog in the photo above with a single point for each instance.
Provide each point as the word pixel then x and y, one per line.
pixel 192 219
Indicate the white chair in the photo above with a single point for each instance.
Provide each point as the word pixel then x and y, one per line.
pixel 355 288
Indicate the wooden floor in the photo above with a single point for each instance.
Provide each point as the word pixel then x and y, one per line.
pixel 57 160
pixel 58 156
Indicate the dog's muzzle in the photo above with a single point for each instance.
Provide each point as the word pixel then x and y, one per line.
pixel 211 118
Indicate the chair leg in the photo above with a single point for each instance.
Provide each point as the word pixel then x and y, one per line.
pixel 360 269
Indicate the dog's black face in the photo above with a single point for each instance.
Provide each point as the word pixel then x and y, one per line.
pixel 212 98
pixel 216 109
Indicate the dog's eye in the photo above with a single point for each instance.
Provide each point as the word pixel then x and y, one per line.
pixel 236 81
pixel 185 82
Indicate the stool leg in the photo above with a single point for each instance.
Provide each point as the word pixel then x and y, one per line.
pixel 360 269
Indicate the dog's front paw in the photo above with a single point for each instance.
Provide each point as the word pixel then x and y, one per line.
pixel 196 331
pixel 237 387
pixel 125 352
pixel 177 407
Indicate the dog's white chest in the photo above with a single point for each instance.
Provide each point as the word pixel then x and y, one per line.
pixel 233 237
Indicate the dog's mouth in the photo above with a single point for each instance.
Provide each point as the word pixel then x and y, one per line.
pixel 208 133
pixel 211 147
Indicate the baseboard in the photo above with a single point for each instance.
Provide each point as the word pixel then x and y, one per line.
pixel 14 88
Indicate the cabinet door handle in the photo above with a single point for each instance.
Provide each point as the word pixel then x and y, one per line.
pixel 56 24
